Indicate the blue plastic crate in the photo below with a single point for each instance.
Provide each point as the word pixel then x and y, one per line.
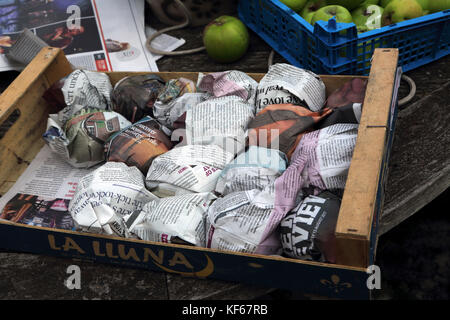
pixel 336 48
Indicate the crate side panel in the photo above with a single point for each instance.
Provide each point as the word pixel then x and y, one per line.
pixel 312 279
pixel 385 168
pixel 358 201
pixel 362 191
pixel 23 139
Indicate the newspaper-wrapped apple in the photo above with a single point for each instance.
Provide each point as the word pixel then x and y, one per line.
pixel 81 140
pixel 307 232
pixel 168 113
pixel 281 126
pixel 254 169
pixel 244 221
pixel 220 121
pixel 229 83
pixel 107 197
pixel 134 96
pixel 176 88
pixel 320 162
pixel 178 219
pixel 177 96
pixel 85 88
pixel 187 169
pixel 287 84
pixel 138 144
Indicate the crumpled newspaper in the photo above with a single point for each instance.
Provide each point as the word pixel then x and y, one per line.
pixel 138 144
pixel 229 83
pixel 187 169
pixel 178 219
pixel 254 169
pixel 134 96
pixel 287 84
pixel 107 197
pixel 85 88
pixel 80 140
pixel 307 232
pixel 244 221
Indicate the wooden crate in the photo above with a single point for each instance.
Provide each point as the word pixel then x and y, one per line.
pixel 355 230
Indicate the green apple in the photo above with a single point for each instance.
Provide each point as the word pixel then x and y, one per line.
pixel 367 17
pixel 401 10
pixel 226 39
pixel 368 2
pixel 347 4
pixel 438 5
pixel 310 8
pixel 424 5
pixel 296 5
pixel 328 12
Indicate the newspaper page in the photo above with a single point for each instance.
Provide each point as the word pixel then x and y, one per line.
pixel 48 177
pixel 97 35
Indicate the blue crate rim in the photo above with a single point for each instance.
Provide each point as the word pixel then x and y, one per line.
pixel 340 26
pixel 326 43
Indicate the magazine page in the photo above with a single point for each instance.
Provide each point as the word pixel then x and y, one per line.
pixel 123 35
pixel 97 35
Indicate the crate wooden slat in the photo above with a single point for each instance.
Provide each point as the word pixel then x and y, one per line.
pixel 354 226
